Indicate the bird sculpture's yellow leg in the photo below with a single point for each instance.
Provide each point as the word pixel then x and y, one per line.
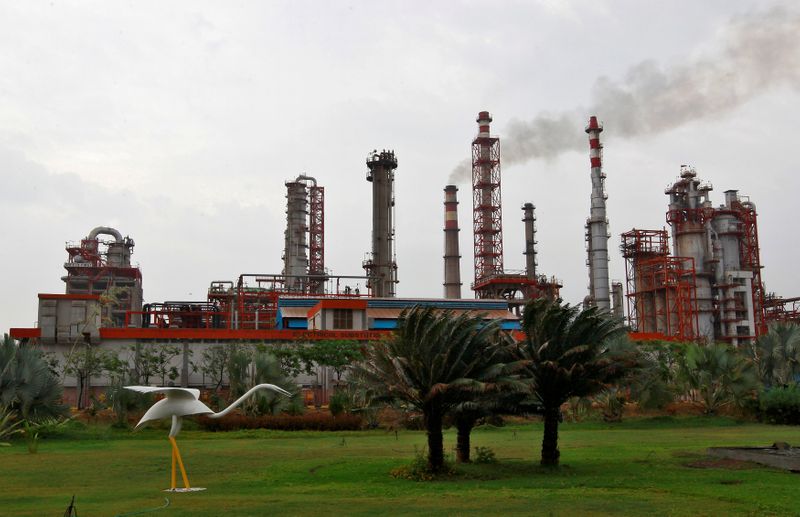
pixel 173 485
pixel 177 455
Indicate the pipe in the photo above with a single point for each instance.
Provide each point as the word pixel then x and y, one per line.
pixel 105 230
pixel 452 255
pixel 308 178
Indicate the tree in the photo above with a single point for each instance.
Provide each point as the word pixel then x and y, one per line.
pixel 567 354
pixel 27 386
pixel 84 361
pixel 252 365
pixel 717 374
pixel 338 354
pixel 154 360
pixel 433 362
pixel 214 363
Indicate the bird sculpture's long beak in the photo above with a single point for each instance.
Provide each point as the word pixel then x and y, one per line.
pixel 282 391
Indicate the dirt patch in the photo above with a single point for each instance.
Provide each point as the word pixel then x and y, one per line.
pixel 722 463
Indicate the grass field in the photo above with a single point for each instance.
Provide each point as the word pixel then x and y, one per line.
pixel 638 467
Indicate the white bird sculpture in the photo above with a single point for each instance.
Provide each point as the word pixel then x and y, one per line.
pixel 180 402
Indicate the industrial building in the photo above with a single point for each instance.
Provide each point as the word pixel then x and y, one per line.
pixel 707 286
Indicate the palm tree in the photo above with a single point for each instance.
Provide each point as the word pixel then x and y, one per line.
pixel 776 355
pixel 435 361
pixel 718 374
pixel 568 354
pixel 27 386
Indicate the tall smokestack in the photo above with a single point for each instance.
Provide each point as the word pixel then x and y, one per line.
pixel 381 266
pixel 530 240
pixel 452 256
pixel 487 215
pixel 597 224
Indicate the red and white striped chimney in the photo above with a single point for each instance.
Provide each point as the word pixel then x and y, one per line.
pixel 597 223
pixel 452 256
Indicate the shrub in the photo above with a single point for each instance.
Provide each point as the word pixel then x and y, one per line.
pixel 307 422
pixel 27 386
pixel 419 469
pixel 337 403
pixel 484 455
pixel 780 405
pixel 611 402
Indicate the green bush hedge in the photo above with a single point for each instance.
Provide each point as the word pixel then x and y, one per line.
pixel 306 422
pixel 780 405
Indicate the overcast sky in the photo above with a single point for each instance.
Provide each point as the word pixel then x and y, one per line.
pixel 179 122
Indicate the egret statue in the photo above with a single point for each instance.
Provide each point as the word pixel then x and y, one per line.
pixel 180 402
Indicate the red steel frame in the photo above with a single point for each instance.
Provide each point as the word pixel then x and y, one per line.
pixel 777 309
pixel 750 259
pixel 316 236
pixel 651 273
pixel 487 215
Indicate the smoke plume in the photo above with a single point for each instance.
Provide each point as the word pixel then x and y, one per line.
pixel 756 52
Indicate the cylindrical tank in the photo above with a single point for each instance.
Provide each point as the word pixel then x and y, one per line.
pixel 452 256
pixel 295 254
pixel 688 207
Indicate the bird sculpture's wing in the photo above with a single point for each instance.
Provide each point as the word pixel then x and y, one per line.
pixel 167 390
pixel 178 402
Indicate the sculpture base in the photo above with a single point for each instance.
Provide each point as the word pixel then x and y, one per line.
pixel 193 489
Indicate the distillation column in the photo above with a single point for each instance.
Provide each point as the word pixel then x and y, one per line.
pixel 452 255
pixel 529 218
pixel 689 213
pixel 295 252
pixel 381 265
pixel 597 224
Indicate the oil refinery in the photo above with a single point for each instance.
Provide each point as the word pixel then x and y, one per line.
pixel 706 285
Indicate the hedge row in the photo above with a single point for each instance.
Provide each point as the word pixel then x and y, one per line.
pixel 306 422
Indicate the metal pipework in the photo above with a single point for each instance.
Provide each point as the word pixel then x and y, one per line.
pixel 382 263
pixel 452 255
pixel 597 224
pixel 105 230
pixel 529 218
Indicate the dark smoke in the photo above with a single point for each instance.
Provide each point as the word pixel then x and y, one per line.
pixel 757 52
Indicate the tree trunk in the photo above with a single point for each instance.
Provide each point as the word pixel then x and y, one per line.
pixel 550 453
pixel 462 441
pixel 81 383
pixel 433 425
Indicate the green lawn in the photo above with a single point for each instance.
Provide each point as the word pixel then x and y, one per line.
pixel 638 467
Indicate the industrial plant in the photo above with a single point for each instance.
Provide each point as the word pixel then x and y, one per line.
pixel 706 286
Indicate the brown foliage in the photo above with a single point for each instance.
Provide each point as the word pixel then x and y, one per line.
pixel 306 422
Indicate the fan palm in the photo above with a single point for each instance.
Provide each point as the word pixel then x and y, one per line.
pixel 718 374
pixel 27 385
pixel 568 354
pixel 435 361
pixel 776 355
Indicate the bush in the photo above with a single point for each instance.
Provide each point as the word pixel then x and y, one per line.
pixel 484 455
pixel 780 405
pixel 419 470
pixel 307 422
pixel 337 404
